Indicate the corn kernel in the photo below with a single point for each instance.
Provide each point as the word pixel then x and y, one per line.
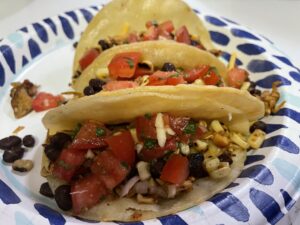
pixel 256 139
pixel 220 140
pixel 201 145
pixel 143 169
pixel 237 139
pixel 211 164
pixel 216 126
pixel 220 173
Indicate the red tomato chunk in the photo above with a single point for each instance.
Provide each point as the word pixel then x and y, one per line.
pixel 44 101
pixel 88 58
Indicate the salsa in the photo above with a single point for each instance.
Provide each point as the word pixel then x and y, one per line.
pixel 168 153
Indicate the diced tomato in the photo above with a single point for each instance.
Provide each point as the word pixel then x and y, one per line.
pixel 44 101
pixel 87 192
pixel 182 35
pixel 174 80
pixel 90 135
pixel 159 78
pixel 122 146
pixel 132 37
pixel 88 58
pixel 145 127
pixel 196 73
pixel 236 77
pixel 124 64
pixel 166 26
pixel 151 34
pixel 211 78
pixel 178 124
pixel 157 151
pixel 68 162
pixel 110 170
pixel 119 84
pixel 176 169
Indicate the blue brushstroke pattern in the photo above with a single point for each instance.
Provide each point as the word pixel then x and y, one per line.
pixel 24 29
pixel 219 38
pixel 288 200
pixel 284 60
pixel 73 15
pixel 86 220
pixel 9 57
pixel 243 34
pixel 41 32
pixel 86 14
pixel 259 173
pixel 268 81
pixel 67 28
pixel 24 61
pixel 172 219
pixel 7 195
pixel 281 142
pixel 231 205
pixel 289 171
pixel 253 158
pixel 295 75
pixel 273 127
pixel 95 7
pixel 258 65
pixel 215 21
pixel 232 185
pixel 34 48
pixel 251 49
pixel 197 11
pixel 294 115
pixel 53 217
pixel 266 205
pixel 2 75
pixel 226 56
pixel 51 24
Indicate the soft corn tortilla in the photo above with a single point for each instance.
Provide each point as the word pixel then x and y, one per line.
pixel 114 17
pixel 205 102
pixel 157 52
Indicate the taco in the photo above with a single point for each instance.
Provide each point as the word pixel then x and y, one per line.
pixel 128 21
pixel 116 158
pixel 151 63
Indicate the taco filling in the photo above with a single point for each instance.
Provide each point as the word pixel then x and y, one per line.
pixel 155 157
pixel 154 31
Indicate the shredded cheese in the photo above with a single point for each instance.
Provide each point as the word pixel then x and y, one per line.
pixel 160 130
pixel 232 60
pixel 102 73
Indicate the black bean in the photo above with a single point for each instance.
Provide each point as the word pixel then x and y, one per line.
pixel 255 92
pixel 258 125
pixel 168 67
pixel 96 84
pixel 156 167
pixel 62 197
pixel 46 190
pixel 28 141
pixel 59 140
pixel 9 142
pixel 88 91
pixel 225 157
pixel 52 152
pixel 13 154
pixel 104 44
pixel 75 44
pixel 195 165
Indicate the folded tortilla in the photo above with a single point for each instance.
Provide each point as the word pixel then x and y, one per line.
pixel 133 14
pixel 157 52
pixel 199 102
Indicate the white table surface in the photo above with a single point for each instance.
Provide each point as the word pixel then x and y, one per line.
pixel 277 20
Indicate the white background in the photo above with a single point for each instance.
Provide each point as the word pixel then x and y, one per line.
pixel 278 20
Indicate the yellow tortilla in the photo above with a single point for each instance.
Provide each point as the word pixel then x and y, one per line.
pixel 114 17
pixel 157 52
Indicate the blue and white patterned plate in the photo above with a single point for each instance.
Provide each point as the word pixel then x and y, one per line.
pixel 265 191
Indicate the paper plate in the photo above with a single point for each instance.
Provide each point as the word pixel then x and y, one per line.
pixel 263 193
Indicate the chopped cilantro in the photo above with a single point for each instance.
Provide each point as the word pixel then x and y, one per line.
pixel 148 116
pixel 154 23
pixel 63 164
pixel 130 62
pixel 76 130
pixel 190 128
pixel 100 132
pixel 174 75
pixel 214 69
pixel 125 165
pixel 149 143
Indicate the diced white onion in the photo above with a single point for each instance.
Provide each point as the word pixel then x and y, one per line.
pixel 126 188
pixel 143 170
